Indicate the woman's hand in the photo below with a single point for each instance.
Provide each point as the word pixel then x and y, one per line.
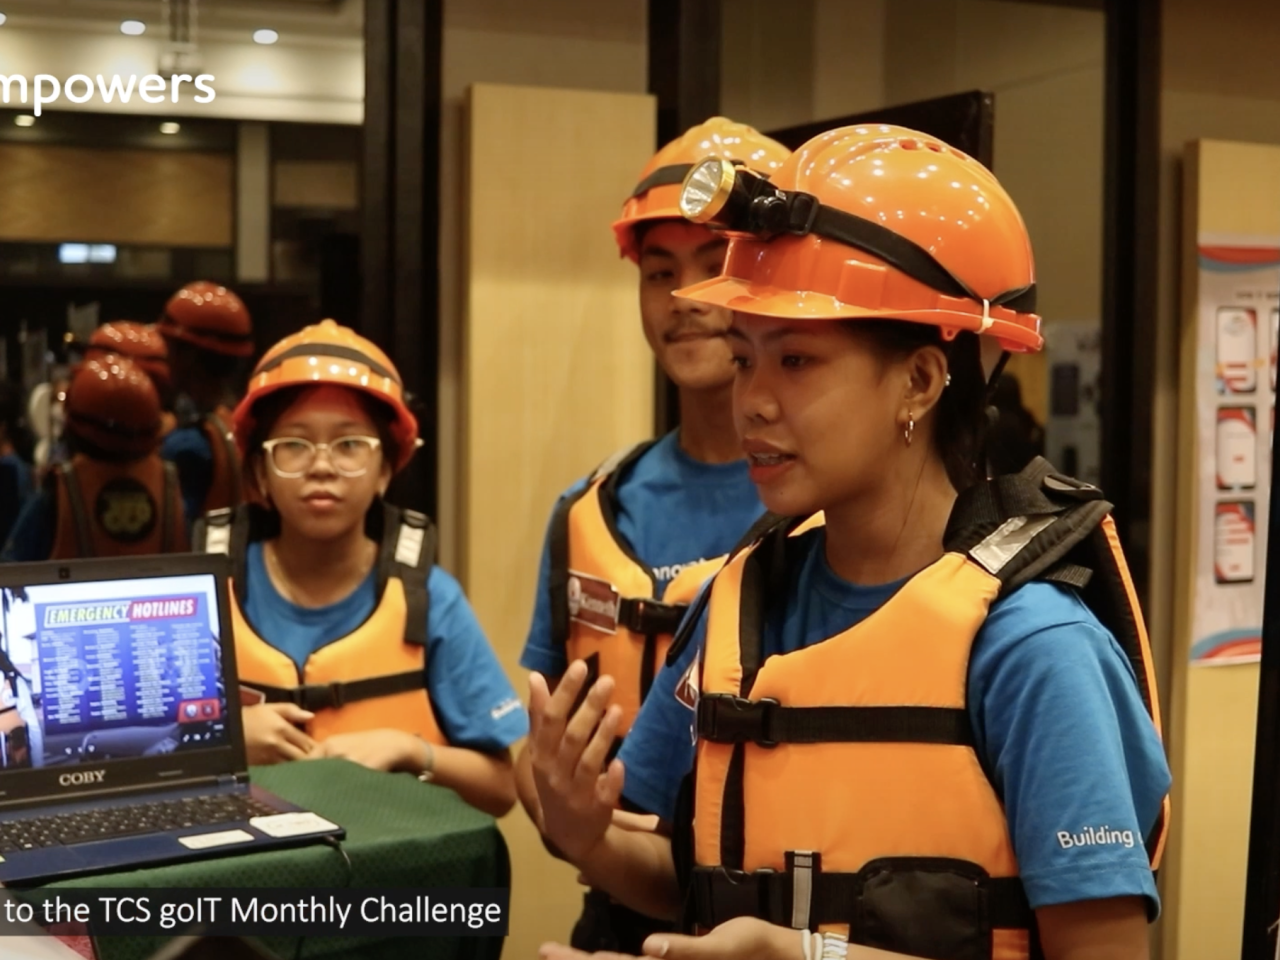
pixel 384 749
pixel 271 734
pixel 743 938
pixel 568 755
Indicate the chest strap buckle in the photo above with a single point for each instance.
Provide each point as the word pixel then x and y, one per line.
pixel 650 617
pixel 319 696
pixel 724 718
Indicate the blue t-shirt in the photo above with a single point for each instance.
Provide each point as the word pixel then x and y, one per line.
pixel 473 700
pixel 189 450
pixel 16 488
pixel 32 535
pixel 1057 714
pixel 673 511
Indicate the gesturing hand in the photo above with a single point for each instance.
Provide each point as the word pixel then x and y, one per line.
pixel 568 754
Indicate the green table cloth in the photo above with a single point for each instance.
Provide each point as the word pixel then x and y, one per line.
pixel 400 833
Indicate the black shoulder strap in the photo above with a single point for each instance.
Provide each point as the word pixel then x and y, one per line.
pixel 755 533
pixel 228 530
pixel 1026 526
pixel 170 508
pixel 558 533
pixel 408 551
pixel 79 512
pixel 613 469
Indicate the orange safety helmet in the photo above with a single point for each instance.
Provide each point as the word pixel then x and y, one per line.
pixel 210 317
pixel 113 405
pixel 141 343
pixel 329 353
pixel 872 222
pixel 657 195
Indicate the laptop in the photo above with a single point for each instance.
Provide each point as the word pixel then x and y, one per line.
pixel 120 733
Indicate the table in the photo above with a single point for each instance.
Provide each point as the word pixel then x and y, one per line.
pixel 400 833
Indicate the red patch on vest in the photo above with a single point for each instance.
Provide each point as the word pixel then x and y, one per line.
pixel 593 602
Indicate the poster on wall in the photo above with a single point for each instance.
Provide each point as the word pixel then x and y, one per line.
pixel 1238 334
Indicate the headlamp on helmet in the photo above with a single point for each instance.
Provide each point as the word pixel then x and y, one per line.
pixel 738 202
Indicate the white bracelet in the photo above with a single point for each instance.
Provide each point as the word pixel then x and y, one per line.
pixel 833 947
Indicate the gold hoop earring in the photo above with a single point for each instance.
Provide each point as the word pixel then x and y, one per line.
pixel 909 432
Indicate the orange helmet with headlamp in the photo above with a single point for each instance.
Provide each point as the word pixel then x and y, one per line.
pixel 327 353
pixel 871 222
pixel 657 195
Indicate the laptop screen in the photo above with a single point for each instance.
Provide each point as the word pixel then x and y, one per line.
pixel 110 670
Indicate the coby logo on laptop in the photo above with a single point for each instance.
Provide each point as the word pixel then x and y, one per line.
pixel 82 778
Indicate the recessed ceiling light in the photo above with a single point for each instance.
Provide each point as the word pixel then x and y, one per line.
pixel 25 120
pixel 265 36
pixel 170 127
pixel 133 28
pixel 3 18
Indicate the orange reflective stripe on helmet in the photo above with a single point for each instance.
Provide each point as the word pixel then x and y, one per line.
pixel 327 353
pixel 657 194
pixel 871 222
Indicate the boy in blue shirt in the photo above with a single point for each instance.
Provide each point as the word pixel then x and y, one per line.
pixel 627 547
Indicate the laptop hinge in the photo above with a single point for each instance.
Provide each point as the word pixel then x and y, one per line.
pixel 231 779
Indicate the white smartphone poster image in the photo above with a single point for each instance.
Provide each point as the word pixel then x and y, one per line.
pixel 1237 350
pixel 1233 542
pixel 1237 448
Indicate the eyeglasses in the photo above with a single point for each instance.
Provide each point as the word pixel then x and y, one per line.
pixel 292 457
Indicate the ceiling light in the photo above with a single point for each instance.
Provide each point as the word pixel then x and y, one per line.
pixel 265 36
pixel 3 18
pixel 25 120
pixel 170 127
pixel 133 28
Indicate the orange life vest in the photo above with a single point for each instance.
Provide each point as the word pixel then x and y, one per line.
pixel 837 786
pixel 109 509
pixel 225 481
pixel 606 607
pixel 376 675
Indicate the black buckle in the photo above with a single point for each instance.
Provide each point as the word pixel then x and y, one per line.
pixel 721 894
pixel 723 718
pixel 1070 487
pixel 650 616
pixel 802 212
pixel 319 696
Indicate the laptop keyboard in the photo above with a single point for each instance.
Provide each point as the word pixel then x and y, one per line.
pixel 110 822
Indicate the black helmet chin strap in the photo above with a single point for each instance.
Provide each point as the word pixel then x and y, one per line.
pixel 992 413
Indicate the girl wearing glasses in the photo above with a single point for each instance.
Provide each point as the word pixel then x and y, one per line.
pixel 923 722
pixel 349 641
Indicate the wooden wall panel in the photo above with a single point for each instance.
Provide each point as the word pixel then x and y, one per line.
pixel 145 197
pixel 556 370
pixel 330 185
